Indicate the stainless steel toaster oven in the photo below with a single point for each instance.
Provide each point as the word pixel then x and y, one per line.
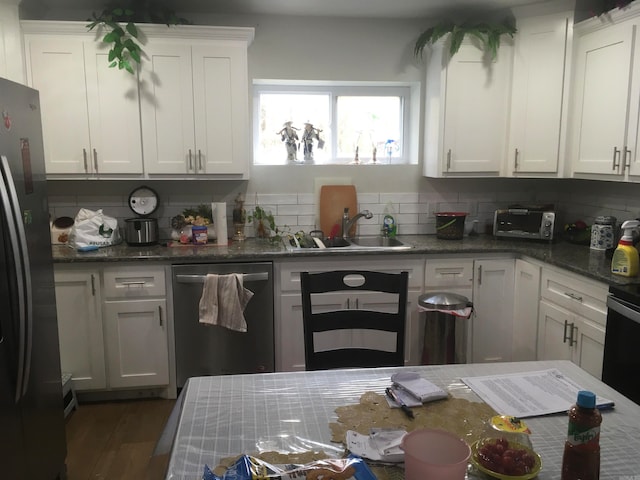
pixel 520 221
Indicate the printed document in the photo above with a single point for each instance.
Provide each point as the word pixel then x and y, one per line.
pixel 529 394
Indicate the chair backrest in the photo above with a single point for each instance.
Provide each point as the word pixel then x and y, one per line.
pixel 317 320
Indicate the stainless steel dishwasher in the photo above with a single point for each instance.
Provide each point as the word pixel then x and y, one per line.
pixel 214 350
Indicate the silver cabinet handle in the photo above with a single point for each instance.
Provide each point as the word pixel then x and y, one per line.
pixel 200 160
pixel 572 328
pixel 130 284
pixel 84 156
pixel 479 275
pixel 95 160
pixel 348 303
pixel 626 163
pixel 616 153
pixel 246 277
pixel 93 285
pixel 357 304
pixel 515 164
pixel 449 159
pixel 160 314
pixel 578 298
pixel 190 162
pixel 572 341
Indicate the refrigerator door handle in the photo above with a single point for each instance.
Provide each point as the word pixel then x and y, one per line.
pixel 23 276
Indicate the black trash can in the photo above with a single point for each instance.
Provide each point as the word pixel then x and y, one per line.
pixel 445 333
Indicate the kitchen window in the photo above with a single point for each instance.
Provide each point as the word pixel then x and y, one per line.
pixel 348 124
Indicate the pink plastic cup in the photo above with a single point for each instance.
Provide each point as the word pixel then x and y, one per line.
pixel 431 454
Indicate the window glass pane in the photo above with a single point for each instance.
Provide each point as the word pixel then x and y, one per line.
pixel 368 123
pixel 275 110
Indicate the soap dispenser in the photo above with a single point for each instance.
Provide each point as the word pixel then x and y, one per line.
pixel 389 226
pixel 625 259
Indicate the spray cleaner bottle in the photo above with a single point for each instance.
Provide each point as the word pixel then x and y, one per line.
pixel 625 259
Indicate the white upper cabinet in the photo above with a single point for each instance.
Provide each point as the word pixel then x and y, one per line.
pixel 195 101
pixel 466 111
pixel 601 102
pixel 90 113
pixel 538 95
pixel 605 107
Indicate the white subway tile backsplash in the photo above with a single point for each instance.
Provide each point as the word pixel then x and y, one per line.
pixel 414 212
pixel 411 197
pixel 306 199
pixel 414 208
pixel 368 198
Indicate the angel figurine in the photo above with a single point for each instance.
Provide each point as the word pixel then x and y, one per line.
pixel 289 136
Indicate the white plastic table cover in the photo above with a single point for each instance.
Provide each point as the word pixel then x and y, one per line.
pixel 225 416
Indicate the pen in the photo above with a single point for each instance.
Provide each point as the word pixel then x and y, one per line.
pixel 392 395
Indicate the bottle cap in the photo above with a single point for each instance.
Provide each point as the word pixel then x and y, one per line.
pixel 586 399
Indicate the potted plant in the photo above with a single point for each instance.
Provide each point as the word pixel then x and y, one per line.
pixel 488 34
pixel 119 20
pixel 263 222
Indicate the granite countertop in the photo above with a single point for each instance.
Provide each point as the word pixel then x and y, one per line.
pixel 576 258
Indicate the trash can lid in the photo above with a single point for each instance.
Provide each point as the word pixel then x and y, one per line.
pixel 444 301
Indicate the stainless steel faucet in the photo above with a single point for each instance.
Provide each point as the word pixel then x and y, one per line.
pixel 347 222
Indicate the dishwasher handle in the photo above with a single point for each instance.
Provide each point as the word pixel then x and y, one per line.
pixel 246 277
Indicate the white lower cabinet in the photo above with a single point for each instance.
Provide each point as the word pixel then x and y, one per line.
pixel 78 306
pixel 572 320
pixel 492 323
pixel 136 339
pixel 113 326
pixel 288 307
pixel 526 300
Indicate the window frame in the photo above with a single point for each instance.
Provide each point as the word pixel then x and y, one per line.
pixel 405 91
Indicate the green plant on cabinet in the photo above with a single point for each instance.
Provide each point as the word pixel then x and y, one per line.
pixel 488 34
pixel 119 20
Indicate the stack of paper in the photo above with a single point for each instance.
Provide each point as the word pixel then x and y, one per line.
pixel 414 390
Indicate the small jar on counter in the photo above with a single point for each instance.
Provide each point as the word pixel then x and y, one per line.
pixel 602 233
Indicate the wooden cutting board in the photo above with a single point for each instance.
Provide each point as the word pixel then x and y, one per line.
pixel 333 200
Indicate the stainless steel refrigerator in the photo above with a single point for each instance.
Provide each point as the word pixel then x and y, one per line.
pixel 32 435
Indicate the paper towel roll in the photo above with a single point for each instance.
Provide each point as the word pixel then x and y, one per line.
pixel 220 222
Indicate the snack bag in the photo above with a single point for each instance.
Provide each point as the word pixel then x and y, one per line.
pixel 248 468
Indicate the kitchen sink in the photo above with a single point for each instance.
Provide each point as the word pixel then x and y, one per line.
pixel 377 241
pixel 364 243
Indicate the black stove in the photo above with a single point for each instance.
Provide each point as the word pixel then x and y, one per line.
pixel 621 363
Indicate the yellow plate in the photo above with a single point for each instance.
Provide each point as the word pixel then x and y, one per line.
pixel 537 466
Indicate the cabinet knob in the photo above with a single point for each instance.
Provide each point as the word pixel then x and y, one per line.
pixel 84 157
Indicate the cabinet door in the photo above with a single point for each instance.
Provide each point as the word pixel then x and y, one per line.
pixel 525 310
pixel 221 99
pixel 114 115
pixel 475 123
pixel 537 94
pixel 493 305
pixel 80 328
pixel 136 343
pixel 601 99
pixel 554 331
pixel 590 352
pixel 167 109
pixel 56 67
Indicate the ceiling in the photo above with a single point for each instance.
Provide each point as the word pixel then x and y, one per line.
pixel 392 9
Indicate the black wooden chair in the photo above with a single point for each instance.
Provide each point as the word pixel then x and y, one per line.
pixel 318 319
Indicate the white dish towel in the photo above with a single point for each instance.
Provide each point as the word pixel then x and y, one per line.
pixel 223 301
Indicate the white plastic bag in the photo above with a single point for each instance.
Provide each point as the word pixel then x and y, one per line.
pixel 94 229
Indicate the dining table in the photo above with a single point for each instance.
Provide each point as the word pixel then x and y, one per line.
pixel 217 417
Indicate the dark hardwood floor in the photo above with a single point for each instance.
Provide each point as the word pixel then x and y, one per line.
pixel 115 440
